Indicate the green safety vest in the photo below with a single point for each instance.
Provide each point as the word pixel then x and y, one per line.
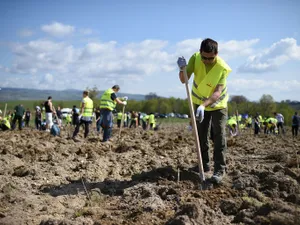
pixel 145 118
pixel 249 120
pixel 120 116
pixel 6 122
pixel 88 107
pixel 68 118
pixel 106 102
pixel 151 118
pixel 239 118
pixel 202 90
pixel 231 122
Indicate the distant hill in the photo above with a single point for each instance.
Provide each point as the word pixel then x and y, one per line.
pixel 11 94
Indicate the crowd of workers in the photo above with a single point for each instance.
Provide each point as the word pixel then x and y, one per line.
pixel 266 125
pixel 46 116
pixel 208 97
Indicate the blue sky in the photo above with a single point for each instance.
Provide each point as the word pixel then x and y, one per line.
pixel 75 44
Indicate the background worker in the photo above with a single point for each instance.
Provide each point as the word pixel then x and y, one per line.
pixel 75 115
pixel 4 123
pixel 108 103
pixel 134 119
pixel 257 123
pixel 209 95
pixel 18 115
pixel 119 118
pixel 145 122
pixel 295 124
pixel 59 115
pixel 152 121
pixel 27 117
pixel 86 115
pixel 98 125
pixel 49 111
pixel 38 118
pixel 232 126
pixel 280 122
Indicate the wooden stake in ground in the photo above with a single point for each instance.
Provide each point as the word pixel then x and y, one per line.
pixel 237 122
pixel 194 125
pixel 4 114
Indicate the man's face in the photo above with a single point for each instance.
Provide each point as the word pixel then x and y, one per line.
pixel 208 57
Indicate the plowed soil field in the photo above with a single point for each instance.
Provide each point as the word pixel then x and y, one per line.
pixel 145 178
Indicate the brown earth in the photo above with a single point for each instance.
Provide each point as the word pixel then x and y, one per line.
pixel 53 180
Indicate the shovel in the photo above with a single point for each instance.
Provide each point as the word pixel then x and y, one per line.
pixel 195 130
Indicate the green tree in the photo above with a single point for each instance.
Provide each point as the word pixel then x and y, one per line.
pixel 93 93
pixel 267 105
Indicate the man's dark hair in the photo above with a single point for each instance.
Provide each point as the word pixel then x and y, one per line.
pixel 209 45
pixel 85 92
pixel 49 97
pixel 117 87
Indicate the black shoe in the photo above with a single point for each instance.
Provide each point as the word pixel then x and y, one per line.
pixel 217 177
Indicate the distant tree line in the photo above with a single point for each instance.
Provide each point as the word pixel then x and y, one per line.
pixel 266 106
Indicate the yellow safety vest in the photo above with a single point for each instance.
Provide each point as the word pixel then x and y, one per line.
pixel 88 107
pixel 151 118
pixel 106 102
pixel 120 116
pixel 6 122
pixel 239 118
pixel 202 90
pixel 145 118
pixel 231 122
pixel 249 120
pixel 68 118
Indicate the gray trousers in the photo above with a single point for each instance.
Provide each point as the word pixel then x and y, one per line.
pixel 217 119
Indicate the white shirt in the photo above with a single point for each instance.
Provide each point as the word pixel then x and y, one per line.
pixel 280 118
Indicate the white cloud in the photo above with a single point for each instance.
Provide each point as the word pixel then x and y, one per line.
pixel 86 31
pixel 25 33
pixel 255 88
pixel 58 29
pixel 50 64
pixel 273 57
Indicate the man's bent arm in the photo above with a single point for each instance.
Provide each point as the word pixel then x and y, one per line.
pixel 215 96
pixel 181 76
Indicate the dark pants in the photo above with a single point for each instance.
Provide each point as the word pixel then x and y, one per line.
pixel 119 123
pixel 256 128
pixel 106 123
pixel 19 118
pixel 98 125
pixel 144 125
pixel 75 120
pixel 295 129
pixel 38 124
pixel 86 128
pixel 27 122
pixel 133 123
pixel 280 125
pixel 218 119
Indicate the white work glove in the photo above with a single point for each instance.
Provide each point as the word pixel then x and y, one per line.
pixel 200 113
pixel 79 117
pixel 181 62
pixel 125 98
pixel 124 103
